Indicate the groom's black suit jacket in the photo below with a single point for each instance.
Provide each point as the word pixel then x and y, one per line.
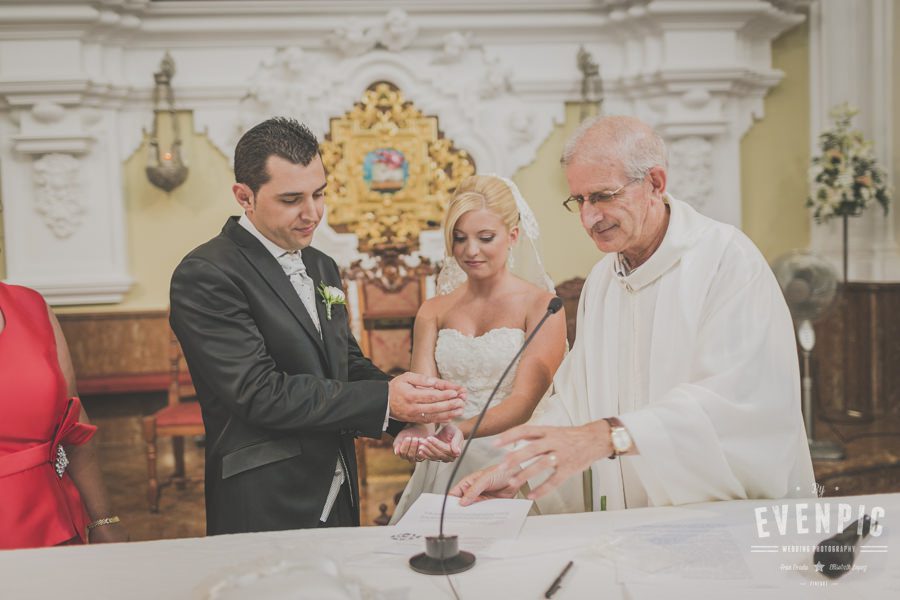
pixel 279 402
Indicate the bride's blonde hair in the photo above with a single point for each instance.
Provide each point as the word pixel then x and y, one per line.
pixel 475 193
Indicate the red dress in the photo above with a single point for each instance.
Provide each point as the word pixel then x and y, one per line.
pixel 39 503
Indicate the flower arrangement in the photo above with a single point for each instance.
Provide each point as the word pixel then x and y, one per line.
pixel 845 178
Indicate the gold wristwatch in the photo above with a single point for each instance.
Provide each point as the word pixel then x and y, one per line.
pixel 621 439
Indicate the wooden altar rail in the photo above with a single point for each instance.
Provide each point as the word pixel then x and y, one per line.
pixel 120 352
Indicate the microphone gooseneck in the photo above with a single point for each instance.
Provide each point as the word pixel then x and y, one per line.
pixel 442 555
pixel 553 307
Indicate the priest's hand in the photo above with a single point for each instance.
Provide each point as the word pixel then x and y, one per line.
pixel 565 451
pixel 418 398
pixel 486 484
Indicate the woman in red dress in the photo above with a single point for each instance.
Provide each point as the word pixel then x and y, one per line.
pixel 51 489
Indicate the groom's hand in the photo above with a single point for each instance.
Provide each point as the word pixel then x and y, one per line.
pixel 418 398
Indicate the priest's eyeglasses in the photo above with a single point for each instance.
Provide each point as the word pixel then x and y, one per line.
pixel 573 203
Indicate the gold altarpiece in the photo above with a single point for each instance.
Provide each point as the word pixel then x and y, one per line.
pixel 391 173
pixel 390 170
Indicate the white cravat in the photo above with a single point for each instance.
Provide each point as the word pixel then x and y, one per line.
pixel 292 263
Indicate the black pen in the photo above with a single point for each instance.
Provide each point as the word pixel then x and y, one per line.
pixel 557 583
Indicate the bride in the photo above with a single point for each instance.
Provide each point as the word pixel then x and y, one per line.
pixel 492 292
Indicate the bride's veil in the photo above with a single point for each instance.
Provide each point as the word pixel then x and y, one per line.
pixel 526 260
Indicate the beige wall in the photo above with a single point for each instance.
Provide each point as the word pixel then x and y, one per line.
pixel 566 249
pixel 162 227
pixel 775 155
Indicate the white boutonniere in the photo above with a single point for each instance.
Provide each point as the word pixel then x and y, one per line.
pixel 331 296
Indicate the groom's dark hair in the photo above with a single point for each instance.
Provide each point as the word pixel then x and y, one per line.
pixel 278 136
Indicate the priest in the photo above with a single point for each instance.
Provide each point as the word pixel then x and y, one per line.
pixel 683 384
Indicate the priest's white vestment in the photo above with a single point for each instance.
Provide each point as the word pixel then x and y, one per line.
pixel 694 352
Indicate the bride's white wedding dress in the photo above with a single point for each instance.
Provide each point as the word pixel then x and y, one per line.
pixel 477 363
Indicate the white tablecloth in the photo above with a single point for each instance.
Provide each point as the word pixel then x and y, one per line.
pixel 699 551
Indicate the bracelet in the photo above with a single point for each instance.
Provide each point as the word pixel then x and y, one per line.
pixel 104 521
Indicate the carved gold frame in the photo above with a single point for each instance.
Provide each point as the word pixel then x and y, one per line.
pixel 384 119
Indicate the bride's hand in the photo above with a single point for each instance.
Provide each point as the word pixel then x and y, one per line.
pixel 444 446
pixel 408 443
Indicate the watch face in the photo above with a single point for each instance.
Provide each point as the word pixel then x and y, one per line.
pixel 621 441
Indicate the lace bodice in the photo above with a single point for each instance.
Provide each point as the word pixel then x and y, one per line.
pixel 478 362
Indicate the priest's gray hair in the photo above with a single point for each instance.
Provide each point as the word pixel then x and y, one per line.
pixel 627 139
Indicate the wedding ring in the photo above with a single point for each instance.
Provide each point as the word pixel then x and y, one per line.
pixel 552 458
pixel 423 415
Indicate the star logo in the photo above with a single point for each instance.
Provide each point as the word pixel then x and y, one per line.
pixel 819 567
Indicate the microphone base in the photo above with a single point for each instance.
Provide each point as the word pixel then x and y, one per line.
pixel 442 556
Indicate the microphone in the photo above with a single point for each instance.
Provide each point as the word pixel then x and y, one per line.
pixel 442 555
pixel 837 553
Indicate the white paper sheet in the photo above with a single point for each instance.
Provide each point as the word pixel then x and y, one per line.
pixel 478 526
pixel 494 519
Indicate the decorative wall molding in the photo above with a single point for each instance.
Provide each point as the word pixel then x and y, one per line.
pixel 473 98
pixel 58 196
pixel 849 63
pixel 76 78
pixel 394 32
pixel 690 170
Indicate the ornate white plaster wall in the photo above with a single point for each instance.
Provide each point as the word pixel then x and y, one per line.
pixel 76 80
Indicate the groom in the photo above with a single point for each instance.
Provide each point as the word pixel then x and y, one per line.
pixel 283 386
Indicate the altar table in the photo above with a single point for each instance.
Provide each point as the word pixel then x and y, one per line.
pixel 734 550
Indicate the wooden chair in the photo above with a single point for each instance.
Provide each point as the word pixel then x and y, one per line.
pixel 176 420
pixel 389 295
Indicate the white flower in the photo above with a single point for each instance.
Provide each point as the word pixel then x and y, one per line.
pixel 334 294
pixel 866 194
pixel 331 295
